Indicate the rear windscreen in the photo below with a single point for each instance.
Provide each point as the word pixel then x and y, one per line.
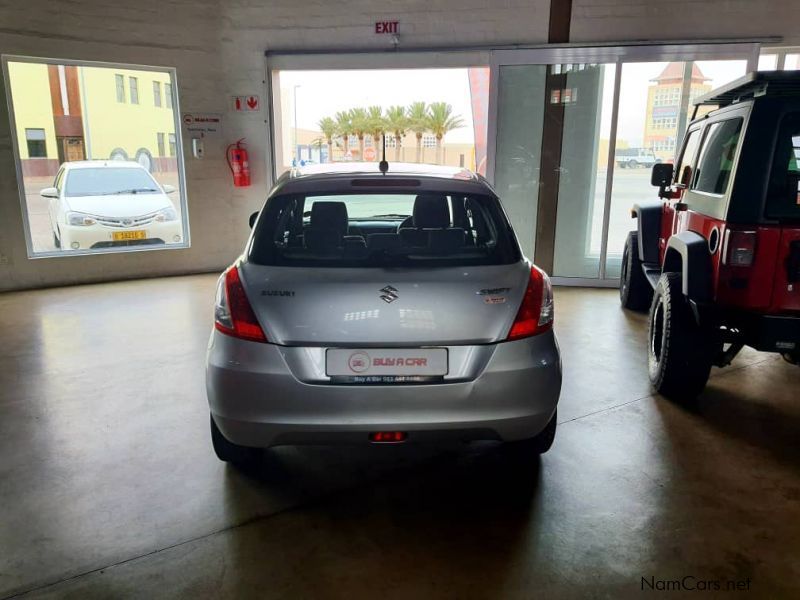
pixel 783 194
pixel 383 230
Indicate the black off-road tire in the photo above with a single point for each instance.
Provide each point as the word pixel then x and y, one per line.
pixel 539 444
pixel 635 292
pixel 680 351
pixel 232 453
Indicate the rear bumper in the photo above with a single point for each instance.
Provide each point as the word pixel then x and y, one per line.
pixel 776 334
pixel 256 399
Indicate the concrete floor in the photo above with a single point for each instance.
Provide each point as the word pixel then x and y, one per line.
pixel 109 487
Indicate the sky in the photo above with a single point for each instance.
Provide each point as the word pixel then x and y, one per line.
pixel 323 93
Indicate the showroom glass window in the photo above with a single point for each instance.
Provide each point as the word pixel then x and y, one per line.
pixel 94 171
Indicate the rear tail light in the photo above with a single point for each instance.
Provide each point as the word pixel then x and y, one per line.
pixel 388 437
pixel 233 314
pixel 739 248
pixel 535 314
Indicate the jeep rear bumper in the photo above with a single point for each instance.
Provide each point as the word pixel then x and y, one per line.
pixel 776 334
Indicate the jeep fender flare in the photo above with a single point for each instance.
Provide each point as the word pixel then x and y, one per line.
pixel 687 253
pixel 648 215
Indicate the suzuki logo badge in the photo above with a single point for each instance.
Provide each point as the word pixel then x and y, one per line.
pixel 388 294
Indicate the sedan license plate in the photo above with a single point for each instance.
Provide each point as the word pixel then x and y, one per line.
pixel 405 362
pixel 122 236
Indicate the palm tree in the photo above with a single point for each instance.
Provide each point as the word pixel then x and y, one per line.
pixel 441 120
pixel 396 122
pixel 377 126
pixel 345 127
pixel 328 128
pixel 418 123
pixel 359 120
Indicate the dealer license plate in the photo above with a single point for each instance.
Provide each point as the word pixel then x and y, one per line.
pixel 347 362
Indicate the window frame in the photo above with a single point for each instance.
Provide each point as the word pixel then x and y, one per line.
pixel 133 85
pixel 122 97
pixel 701 155
pixel 768 211
pixel 43 141
pixel 182 193
pixel 707 203
pixel 679 163
pixel 172 145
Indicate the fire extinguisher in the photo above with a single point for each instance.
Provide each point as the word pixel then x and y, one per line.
pixel 239 164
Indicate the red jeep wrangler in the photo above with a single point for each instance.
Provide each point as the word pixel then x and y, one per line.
pixel 717 260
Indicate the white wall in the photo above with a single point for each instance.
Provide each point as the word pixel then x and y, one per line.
pixel 217 47
pixel 611 20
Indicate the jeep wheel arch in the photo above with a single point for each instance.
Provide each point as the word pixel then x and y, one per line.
pixel 687 253
pixel 648 215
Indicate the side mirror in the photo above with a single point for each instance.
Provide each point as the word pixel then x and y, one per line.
pixel 50 192
pixel 253 218
pixel 662 175
pixel 168 189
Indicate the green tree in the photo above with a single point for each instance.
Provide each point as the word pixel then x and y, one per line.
pixel 441 120
pixel 377 127
pixel 418 122
pixel 359 121
pixel 329 129
pixel 397 123
pixel 344 127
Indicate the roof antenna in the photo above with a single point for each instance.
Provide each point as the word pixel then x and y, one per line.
pixel 383 166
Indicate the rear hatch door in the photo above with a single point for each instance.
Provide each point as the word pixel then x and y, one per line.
pixel 377 307
pixel 786 292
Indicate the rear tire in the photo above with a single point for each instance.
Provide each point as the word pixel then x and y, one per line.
pixel 680 351
pixel 539 444
pixel 635 292
pixel 229 452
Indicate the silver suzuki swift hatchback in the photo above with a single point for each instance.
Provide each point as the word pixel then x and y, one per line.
pixel 382 308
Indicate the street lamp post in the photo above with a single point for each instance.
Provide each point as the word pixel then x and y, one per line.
pixel 296 145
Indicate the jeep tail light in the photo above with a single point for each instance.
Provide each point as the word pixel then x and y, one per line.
pixel 739 248
pixel 535 314
pixel 233 314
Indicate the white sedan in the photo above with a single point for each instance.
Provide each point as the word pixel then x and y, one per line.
pixel 106 204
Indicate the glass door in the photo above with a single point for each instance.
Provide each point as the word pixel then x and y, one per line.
pixel 574 133
pixel 654 111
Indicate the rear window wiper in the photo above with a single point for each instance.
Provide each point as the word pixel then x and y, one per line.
pixel 387 216
pixel 135 191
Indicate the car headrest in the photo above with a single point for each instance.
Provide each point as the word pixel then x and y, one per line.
pixel 431 211
pixel 444 241
pixel 329 215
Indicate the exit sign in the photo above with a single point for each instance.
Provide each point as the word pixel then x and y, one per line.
pixel 386 27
